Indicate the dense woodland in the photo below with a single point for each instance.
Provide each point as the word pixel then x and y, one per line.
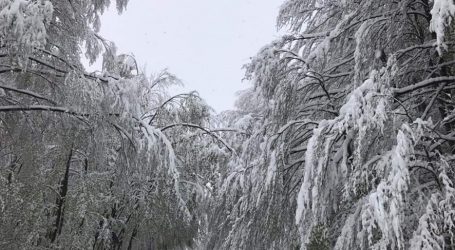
pixel 345 139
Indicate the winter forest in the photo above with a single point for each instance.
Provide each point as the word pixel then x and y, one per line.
pixel 345 138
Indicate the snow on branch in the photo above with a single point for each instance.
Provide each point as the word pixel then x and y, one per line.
pixel 423 84
pixel 442 14
pixel 203 129
pixel 24 22
pixel 27 92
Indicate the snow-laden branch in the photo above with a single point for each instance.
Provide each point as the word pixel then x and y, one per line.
pixel 125 133
pixel 184 95
pixel 291 123
pixel 59 70
pixel 422 84
pixel 230 130
pixel 14 108
pixel 307 36
pixel 27 92
pixel 203 129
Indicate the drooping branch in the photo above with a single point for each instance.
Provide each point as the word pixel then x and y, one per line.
pixel 422 84
pixel 167 102
pixel 14 108
pixel 229 130
pixel 308 36
pixel 123 131
pixel 27 92
pixel 203 129
pixel 60 70
pixel 292 123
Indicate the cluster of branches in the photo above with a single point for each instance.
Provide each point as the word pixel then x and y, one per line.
pixel 352 146
pixel 103 160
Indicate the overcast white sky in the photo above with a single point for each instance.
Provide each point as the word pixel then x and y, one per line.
pixel 204 42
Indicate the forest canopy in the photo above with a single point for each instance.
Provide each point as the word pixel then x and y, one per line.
pixel 344 140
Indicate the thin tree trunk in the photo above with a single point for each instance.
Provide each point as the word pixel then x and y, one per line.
pixel 61 200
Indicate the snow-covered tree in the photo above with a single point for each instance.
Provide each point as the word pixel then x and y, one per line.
pixel 353 145
pixel 344 141
pixel 94 160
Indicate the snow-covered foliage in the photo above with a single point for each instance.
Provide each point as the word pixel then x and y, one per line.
pixel 103 160
pixel 23 23
pixel 352 143
pixel 442 13
pixel 344 141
